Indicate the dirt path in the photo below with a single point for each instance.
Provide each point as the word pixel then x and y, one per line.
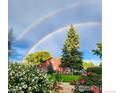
pixel 66 88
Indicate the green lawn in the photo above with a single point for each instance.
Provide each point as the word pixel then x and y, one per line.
pixel 67 78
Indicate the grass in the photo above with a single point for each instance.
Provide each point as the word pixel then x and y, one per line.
pixel 67 78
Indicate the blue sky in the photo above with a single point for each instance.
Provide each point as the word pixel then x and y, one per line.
pixel 43 20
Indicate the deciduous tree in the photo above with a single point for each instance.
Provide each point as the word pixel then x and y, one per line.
pixel 37 57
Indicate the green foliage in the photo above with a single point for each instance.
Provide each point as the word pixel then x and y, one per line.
pixel 66 78
pixel 97 70
pixel 93 79
pixel 58 77
pixel 72 57
pixel 72 41
pixel 69 78
pixel 27 79
pixel 100 65
pixel 37 57
pixel 50 68
pixel 88 65
pixel 98 50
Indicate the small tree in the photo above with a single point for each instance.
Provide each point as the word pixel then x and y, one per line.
pixel 50 68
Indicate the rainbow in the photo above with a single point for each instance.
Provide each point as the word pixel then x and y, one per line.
pixel 60 30
pixel 41 19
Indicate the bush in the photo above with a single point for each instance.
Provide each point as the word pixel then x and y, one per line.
pixel 88 81
pixel 27 79
pixel 58 77
pixel 97 70
pixel 93 79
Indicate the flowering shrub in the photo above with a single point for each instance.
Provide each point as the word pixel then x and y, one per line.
pixel 79 88
pixel 89 79
pixel 92 79
pixel 27 79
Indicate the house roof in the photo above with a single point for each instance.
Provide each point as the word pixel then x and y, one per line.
pixel 54 61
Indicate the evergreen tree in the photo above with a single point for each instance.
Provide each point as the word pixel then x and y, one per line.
pixel 11 50
pixel 12 53
pixel 72 57
pixel 10 41
pixel 50 68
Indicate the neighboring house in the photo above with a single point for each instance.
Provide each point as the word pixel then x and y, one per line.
pixel 56 66
pixel 55 63
pixel 65 70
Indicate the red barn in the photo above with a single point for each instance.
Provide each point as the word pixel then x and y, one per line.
pixel 55 63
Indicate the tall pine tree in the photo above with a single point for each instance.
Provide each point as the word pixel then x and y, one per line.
pixel 72 57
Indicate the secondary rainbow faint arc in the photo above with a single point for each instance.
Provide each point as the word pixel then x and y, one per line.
pixel 60 30
pixel 41 19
